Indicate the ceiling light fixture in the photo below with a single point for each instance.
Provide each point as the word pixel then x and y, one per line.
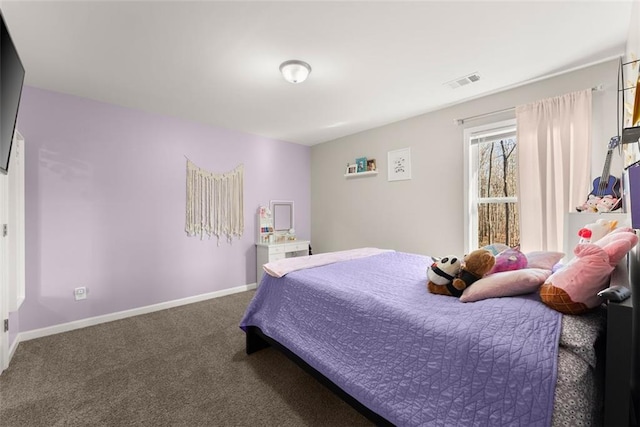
pixel 295 71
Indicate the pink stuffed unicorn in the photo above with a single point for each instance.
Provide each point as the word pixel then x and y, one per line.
pixel 509 260
pixel 573 289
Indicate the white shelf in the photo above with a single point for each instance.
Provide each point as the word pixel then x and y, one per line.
pixel 360 174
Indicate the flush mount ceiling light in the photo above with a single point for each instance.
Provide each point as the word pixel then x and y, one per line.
pixel 295 71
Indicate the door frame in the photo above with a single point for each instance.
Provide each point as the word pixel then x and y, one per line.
pixel 12 246
pixel 4 274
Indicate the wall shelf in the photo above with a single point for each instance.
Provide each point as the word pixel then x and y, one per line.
pixel 360 174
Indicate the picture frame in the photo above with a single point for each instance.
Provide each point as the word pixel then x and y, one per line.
pixel 371 165
pixel 362 164
pixel 399 164
pixel 352 168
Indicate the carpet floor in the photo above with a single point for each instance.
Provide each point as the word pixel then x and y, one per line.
pixel 185 366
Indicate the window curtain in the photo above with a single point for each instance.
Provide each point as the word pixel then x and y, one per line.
pixel 554 162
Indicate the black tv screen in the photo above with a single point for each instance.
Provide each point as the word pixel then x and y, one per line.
pixel 11 80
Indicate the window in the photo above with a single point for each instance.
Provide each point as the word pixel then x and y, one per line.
pixel 492 185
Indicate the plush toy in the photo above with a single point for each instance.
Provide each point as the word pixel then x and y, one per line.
pixel 585 235
pixel 591 233
pixel 509 260
pixel 573 289
pixel 496 248
pixel 590 205
pixel 607 204
pixel 475 265
pixel 441 273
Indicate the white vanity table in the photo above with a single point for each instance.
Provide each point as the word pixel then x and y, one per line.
pixel 269 252
pixel 276 235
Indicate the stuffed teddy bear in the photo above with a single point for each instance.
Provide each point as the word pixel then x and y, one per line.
pixel 442 272
pixel 474 266
pixel 573 289
pixel 591 233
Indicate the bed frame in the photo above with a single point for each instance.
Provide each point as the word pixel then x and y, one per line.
pixel 256 340
pixel 622 364
pixel 622 386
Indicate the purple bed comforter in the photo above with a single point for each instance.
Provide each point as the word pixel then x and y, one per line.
pixel 415 358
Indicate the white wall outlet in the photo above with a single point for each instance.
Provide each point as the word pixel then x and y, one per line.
pixel 80 293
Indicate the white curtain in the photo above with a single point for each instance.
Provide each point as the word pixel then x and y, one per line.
pixel 554 162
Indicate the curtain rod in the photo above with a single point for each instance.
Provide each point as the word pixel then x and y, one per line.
pixel 504 110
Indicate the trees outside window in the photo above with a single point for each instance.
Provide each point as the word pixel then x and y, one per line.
pixel 492 184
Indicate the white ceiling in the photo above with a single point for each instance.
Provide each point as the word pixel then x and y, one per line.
pixel 373 62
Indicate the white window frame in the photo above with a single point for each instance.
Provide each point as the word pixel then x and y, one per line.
pixel 471 178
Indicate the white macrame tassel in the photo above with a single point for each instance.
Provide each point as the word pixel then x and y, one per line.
pixel 214 203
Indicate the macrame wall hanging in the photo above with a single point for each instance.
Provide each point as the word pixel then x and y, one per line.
pixel 214 202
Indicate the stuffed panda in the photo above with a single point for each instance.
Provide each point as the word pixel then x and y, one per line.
pixel 441 273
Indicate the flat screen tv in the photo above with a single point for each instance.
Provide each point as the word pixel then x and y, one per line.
pixel 11 81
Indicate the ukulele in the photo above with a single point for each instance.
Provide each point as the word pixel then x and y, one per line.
pixel 605 187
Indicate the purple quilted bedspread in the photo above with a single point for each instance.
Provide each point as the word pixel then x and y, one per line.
pixel 415 358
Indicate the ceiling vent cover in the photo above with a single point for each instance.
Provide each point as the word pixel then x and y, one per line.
pixel 463 81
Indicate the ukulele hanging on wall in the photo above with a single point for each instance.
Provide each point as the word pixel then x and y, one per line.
pixel 605 195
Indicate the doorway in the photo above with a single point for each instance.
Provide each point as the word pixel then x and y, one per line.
pixel 12 244
pixel 4 275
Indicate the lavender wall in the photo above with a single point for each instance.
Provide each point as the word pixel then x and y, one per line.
pixel 105 206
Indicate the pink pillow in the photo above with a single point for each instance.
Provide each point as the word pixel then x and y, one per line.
pixel 543 259
pixel 506 284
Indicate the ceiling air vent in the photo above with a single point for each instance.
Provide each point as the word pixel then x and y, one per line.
pixel 463 81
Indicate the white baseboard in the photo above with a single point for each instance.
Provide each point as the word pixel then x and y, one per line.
pixel 91 321
pixel 13 347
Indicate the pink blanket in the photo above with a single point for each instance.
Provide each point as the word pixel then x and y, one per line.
pixel 287 265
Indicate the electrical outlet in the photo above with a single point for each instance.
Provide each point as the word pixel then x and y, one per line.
pixel 80 293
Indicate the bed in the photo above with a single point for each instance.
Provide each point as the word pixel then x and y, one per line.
pixel 368 329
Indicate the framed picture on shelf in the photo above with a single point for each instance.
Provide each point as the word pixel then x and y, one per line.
pixel 353 168
pixel 399 164
pixel 362 164
pixel 371 165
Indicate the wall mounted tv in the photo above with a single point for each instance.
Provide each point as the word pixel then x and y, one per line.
pixel 11 81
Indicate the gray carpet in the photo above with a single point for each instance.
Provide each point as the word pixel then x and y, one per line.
pixel 185 366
